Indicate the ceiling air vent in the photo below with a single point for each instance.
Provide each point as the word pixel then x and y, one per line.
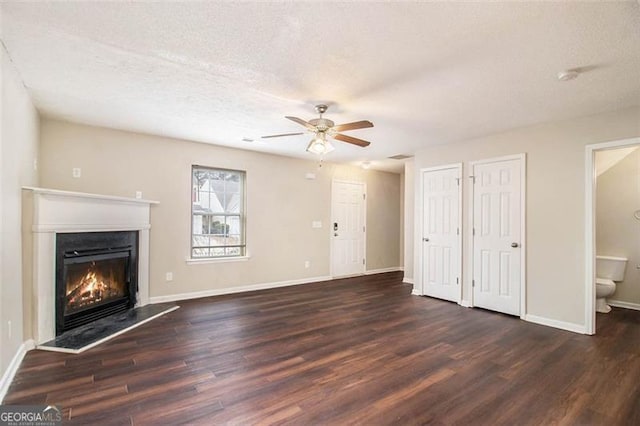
pixel 400 157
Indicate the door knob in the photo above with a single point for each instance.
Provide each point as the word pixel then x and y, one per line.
pixel 425 240
pixel 514 245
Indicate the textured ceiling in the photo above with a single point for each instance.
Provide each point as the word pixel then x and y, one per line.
pixel 424 73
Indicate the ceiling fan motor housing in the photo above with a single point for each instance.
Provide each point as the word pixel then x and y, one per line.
pixel 322 124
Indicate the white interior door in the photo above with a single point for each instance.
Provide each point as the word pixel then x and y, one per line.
pixel 497 217
pixel 347 228
pixel 441 233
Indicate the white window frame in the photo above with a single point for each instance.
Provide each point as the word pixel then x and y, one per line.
pixel 242 215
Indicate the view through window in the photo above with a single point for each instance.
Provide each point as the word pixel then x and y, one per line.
pixel 217 213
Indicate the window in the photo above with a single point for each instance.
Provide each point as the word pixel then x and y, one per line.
pixel 217 213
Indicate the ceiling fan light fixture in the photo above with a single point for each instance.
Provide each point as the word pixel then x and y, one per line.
pixel 320 145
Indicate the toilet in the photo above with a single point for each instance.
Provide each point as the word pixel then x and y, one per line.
pixel 609 269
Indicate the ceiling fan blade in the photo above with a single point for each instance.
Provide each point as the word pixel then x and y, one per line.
pixel 352 126
pixel 352 140
pixel 301 122
pixel 283 134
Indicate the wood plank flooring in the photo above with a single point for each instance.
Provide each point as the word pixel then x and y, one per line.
pixel 352 351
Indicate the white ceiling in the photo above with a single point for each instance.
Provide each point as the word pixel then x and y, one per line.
pixel 424 73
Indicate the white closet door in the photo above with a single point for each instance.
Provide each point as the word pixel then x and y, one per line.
pixel 496 235
pixel 441 233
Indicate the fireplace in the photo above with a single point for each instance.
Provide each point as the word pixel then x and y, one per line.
pixel 96 276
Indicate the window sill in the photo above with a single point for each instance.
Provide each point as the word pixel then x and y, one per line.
pixel 206 260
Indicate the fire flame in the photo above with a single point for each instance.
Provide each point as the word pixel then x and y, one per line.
pixel 91 288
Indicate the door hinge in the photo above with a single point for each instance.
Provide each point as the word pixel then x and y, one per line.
pixel 458 181
pixel 473 178
pixel 363 262
pixel 364 196
pixel 457 280
pixel 473 283
pixel 457 231
pixel 474 231
pixel 364 229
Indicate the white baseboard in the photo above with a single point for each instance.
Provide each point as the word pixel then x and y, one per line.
pixel 464 303
pixel 407 280
pixel 12 369
pixel 626 305
pixel 383 270
pixel 569 326
pixel 232 290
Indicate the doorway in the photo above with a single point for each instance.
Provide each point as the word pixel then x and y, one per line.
pixel 590 224
pixel 497 227
pixel 348 228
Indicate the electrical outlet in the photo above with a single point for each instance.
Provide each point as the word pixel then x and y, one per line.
pixel 307 264
pixel 76 172
pixel 316 224
pixel 138 195
pixel 169 276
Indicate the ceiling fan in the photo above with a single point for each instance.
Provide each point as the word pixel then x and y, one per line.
pixel 323 128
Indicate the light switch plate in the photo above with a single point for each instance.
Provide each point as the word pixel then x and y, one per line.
pixel 316 224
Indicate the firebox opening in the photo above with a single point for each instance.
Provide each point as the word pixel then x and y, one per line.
pixel 94 282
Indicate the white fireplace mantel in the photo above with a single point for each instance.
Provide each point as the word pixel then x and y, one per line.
pixel 53 211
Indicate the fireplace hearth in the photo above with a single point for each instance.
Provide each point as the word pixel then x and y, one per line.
pixel 96 276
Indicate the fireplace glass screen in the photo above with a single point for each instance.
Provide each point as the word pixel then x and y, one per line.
pixel 95 282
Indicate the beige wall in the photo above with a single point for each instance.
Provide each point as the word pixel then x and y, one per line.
pixel 617 230
pixel 18 149
pixel 281 203
pixel 555 202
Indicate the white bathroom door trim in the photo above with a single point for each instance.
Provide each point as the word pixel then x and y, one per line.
pixel 523 226
pixel 590 227
pixel 418 246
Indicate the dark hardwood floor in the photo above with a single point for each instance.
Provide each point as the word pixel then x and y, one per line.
pixel 352 351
